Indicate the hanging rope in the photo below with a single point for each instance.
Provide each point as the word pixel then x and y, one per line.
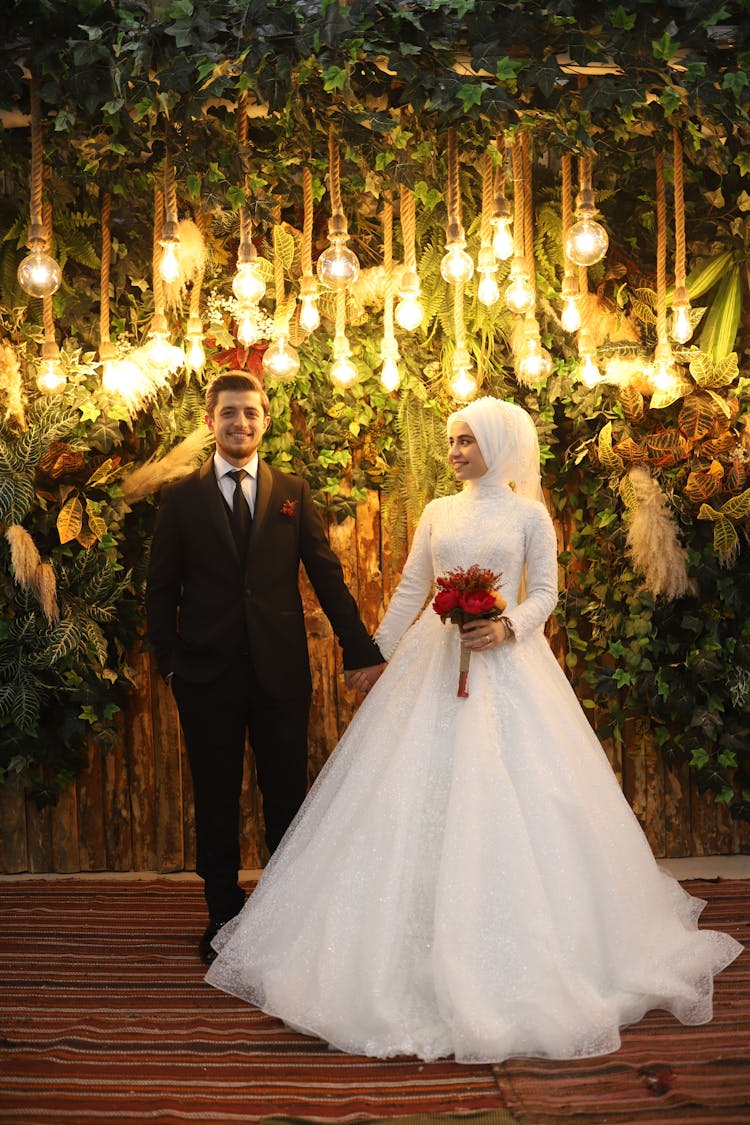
pixel 334 173
pixel 341 313
pixel 528 208
pixel 170 190
pixel 242 104
pixel 48 316
pixel 458 315
pixel 488 184
pixel 500 172
pixel 36 214
pixel 307 224
pixel 408 228
pixel 281 320
pixel 156 255
pixel 105 269
pixel 388 331
pixel 518 199
pixel 567 206
pixel 195 292
pixel 679 212
pixel 661 252
pixel 454 190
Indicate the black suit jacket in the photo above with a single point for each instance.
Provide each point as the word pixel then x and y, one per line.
pixel 206 606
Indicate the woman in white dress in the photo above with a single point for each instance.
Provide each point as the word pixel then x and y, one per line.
pixel 466 877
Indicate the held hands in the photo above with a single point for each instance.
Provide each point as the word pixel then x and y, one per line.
pixel 482 635
pixel 363 678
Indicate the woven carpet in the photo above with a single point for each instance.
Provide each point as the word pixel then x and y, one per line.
pixel 105 1017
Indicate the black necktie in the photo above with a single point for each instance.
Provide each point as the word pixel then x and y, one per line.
pixel 241 518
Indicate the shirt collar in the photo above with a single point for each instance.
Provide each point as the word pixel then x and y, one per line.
pixel 222 466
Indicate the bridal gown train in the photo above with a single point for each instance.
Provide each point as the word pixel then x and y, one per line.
pixel 466 877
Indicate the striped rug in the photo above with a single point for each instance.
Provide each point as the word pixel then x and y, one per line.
pixel 105 1017
pixel 664 1073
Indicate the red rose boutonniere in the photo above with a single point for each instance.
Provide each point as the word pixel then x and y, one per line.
pixel 465 595
pixel 288 508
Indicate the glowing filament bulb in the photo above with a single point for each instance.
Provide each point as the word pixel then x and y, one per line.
pixel 51 379
pixel 682 329
pixel 502 239
pixel 343 372
pixel 589 372
pixel 519 295
pixel 246 328
pixel 536 363
pixel 309 317
pixel 121 376
pixel 169 266
pixel 247 284
pixel 587 242
pixel 463 384
pixel 39 275
pixel 571 315
pixel 456 264
pixel 280 360
pixel 196 354
pixel 338 266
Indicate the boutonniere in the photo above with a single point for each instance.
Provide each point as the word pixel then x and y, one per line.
pixel 288 508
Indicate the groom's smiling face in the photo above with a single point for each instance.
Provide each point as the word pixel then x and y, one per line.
pixel 238 424
pixel 464 453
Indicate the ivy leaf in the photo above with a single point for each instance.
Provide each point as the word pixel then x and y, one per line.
pixel 736 81
pixel 670 100
pixel 470 94
pixel 89 412
pixel 664 48
pixel 334 78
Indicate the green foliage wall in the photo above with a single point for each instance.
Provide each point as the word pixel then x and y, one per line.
pixel 122 81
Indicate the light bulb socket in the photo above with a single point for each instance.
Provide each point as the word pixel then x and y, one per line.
pixel 586 202
pixel 409 284
pixel 194 326
pixel 37 239
pixel 159 326
pixel 246 253
pixel 308 286
pixel 50 351
pixel 486 259
pixel 337 227
pixel 570 290
pixel 169 231
pixel 681 298
pixel 107 351
pixel 501 210
pixel 454 234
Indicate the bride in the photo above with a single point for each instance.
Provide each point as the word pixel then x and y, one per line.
pixel 466 877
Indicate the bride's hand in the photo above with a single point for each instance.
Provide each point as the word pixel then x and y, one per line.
pixel 483 635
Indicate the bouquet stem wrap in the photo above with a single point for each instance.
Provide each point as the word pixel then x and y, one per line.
pixel 467 595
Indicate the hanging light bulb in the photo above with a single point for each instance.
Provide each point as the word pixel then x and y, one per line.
pixel 682 329
pixel 589 373
pixel 488 291
pixel 159 351
pixel 121 376
pixel 39 275
pixel 342 371
pixel 409 311
pixel 246 326
pixel 587 241
pixel 519 295
pixel 338 266
pixel 571 313
pixel 502 237
pixel 390 376
pixel 663 376
pixel 309 317
pixel 536 362
pixel 456 265
pixel 280 360
pixel 196 353
pixel 248 285
pixel 463 383
pixel 51 378
pixel 169 266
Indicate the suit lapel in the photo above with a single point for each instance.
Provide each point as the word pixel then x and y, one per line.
pixel 264 486
pixel 214 501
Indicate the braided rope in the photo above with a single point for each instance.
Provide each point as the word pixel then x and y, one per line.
pixel 661 252
pixel 409 227
pixel 156 255
pixel 195 292
pixel 341 312
pixel 334 173
pixel 454 189
pixel 36 213
pixel 567 207
pixel 48 318
pixel 488 199
pixel 388 333
pixel 281 321
pixel 679 212
pixel 458 314
pixel 307 223
pixel 242 103
pixel 105 268
pixel 528 208
pixel 518 199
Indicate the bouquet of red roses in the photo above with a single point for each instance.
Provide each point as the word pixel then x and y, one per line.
pixel 467 595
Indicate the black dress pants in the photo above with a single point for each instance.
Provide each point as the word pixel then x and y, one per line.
pixel 216 718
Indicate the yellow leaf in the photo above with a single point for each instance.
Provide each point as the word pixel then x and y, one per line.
pixel 628 494
pixel 607 456
pixel 738 507
pixel 96 524
pixel 105 472
pixel 70 519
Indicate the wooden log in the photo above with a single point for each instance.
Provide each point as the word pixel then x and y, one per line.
pixel 39 837
pixel 253 850
pixel 14 852
pixel 117 825
pixel 64 822
pixel 655 827
pixel 677 812
pixel 140 756
pixel 167 777
pixel 89 789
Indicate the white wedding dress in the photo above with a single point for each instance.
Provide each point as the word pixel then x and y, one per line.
pixel 466 877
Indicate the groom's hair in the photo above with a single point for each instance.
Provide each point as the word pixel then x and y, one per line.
pixel 235 381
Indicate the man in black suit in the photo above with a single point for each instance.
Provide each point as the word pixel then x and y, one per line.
pixel 225 619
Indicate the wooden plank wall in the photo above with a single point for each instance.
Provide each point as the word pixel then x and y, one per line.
pixel 131 810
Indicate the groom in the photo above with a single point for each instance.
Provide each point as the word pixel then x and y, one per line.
pixel 225 620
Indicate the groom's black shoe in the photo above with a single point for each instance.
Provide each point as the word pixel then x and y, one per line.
pixel 206 951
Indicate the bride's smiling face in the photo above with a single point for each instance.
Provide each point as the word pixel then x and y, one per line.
pixel 463 452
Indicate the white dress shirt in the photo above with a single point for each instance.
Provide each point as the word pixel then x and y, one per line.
pixel 222 468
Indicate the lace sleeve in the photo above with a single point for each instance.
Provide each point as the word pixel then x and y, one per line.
pixel 411 592
pixel 541 574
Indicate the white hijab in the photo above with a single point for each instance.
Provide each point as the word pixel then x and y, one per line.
pixel 508 442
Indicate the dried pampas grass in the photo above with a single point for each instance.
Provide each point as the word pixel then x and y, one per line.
pixel 30 572
pixel 653 542
pixel 191 258
pixel 24 557
pixel 154 474
pixel 44 586
pixel 10 383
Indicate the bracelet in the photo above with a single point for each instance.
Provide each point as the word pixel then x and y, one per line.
pixel 509 628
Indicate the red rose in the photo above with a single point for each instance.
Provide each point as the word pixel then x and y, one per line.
pixel 288 508
pixel 477 601
pixel 445 602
